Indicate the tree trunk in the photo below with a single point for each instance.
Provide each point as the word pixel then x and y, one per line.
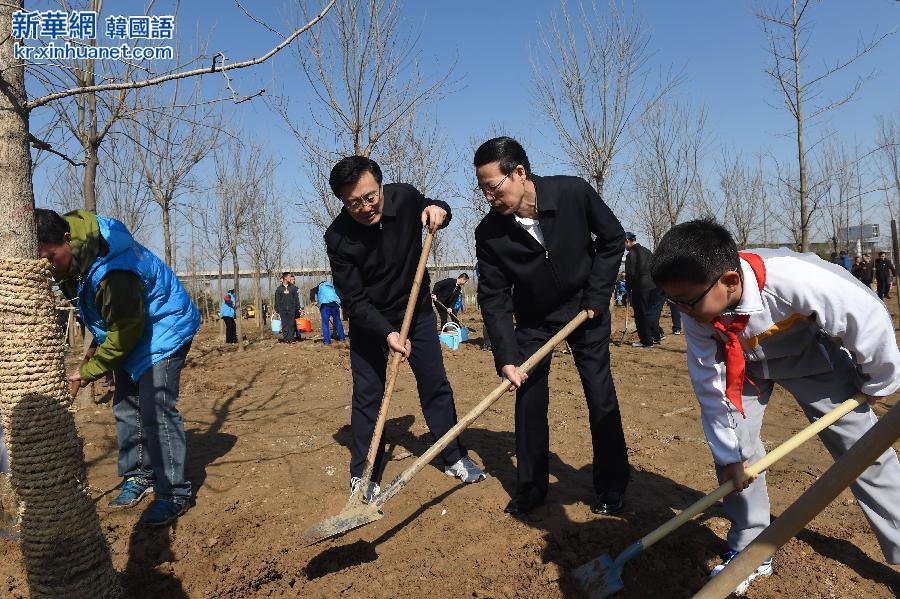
pixel 257 291
pixel 63 549
pixel 219 300
pixel 167 240
pixel 237 294
pixel 801 153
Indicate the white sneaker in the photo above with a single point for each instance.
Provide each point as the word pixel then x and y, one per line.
pixel 638 344
pixel 371 492
pixel 466 470
pixel 764 570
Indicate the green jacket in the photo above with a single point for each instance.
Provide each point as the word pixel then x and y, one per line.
pixel 118 298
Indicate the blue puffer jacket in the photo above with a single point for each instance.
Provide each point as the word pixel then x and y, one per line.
pixel 226 310
pixel 171 318
pixel 327 294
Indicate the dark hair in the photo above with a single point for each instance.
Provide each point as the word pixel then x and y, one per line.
pixel 50 226
pixel 349 170
pixel 286 273
pixel 464 275
pixel 505 150
pixel 697 251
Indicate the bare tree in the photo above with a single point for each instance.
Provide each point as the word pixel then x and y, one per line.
pixel 264 228
pixel 122 189
pixel 888 150
pixel 590 79
pixel 742 192
pixel 671 147
pixel 170 138
pixel 364 72
pixel 788 32
pixel 241 172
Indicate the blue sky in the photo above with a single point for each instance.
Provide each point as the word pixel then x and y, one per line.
pixel 719 44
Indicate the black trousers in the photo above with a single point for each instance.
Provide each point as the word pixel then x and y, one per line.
pixel 657 301
pixel 590 348
pixel 288 324
pixel 230 329
pixel 883 286
pixel 368 363
pixel 642 303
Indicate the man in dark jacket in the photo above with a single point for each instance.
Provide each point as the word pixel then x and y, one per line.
pixel 287 302
pixel 374 246
pixel 884 270
pixel 646 299
pixel 548 249
pixel 866 270
pixel 447 292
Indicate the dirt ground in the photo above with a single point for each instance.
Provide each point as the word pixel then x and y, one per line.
pixel 267 433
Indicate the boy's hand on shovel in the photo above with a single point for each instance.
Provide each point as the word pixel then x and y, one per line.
pixel 393 341
pixel 735 472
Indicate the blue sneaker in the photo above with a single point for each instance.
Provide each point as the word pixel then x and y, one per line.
pixel 132 492
pixel 764 570
pixel 162 512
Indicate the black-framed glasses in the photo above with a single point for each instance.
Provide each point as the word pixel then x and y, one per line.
pixel 689 304
pixel 370 199
pixel 491 190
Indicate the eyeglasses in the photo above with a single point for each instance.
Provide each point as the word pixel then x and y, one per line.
pixel 491 190
pixel 689 304
pixel 370 199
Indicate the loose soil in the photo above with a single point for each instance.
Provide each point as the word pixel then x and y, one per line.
pixel 267 432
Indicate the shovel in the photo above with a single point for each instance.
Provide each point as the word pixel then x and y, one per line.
pixel 357 514
pixel 602 576
pixel 625 328
pixel 448 312
pixel 357 498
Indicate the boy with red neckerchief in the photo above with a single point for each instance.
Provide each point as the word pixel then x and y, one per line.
pixel 762 317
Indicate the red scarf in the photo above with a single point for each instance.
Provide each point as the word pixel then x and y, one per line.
pixel 735 367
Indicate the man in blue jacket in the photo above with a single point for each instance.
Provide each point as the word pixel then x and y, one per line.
pixel 228 314
pixel 329 304
pixel 143 322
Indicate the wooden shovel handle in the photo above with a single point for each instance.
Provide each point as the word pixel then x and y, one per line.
pixel 397 357
pixel 478 410
pixel 815 499
pixel 756 468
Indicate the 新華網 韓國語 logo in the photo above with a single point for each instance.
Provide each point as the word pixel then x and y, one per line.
pixel 73 35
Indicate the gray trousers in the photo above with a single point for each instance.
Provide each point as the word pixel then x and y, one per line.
pixel 877 490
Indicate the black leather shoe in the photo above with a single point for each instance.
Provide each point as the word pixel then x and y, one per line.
pixel 611 503
pixel 523 503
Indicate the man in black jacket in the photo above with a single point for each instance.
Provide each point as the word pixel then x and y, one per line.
pixel 549 248
pixel 374 246
pixel 447 291
pixel 646 299
pixel 884 270
pixel 287 302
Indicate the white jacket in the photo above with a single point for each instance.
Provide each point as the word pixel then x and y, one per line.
pixel 803 297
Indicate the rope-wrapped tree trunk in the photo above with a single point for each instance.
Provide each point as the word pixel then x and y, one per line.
pixel 64 552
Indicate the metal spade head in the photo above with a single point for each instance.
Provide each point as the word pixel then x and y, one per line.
pixel 354 515
pixel 600 577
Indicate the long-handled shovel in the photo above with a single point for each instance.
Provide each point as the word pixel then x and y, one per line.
pixel 358 514
pixel 358 497
pixel 448 311
pixel 625 327
pixel 602 576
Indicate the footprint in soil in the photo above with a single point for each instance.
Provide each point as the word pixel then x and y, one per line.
pixel 336 559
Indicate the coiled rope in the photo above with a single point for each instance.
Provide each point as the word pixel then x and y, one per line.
pixel 63 548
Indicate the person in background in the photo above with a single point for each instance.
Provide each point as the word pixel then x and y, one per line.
pixel 326 297
pixel 287 302
pixel 227 312
pixel 884 273
pixel 844 260
pixel 448 292
pixel 866 270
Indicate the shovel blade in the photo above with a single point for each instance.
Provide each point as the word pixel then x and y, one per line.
pixel 349 518
pixel 600 577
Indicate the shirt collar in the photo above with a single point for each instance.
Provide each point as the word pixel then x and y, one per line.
pixel 751 298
